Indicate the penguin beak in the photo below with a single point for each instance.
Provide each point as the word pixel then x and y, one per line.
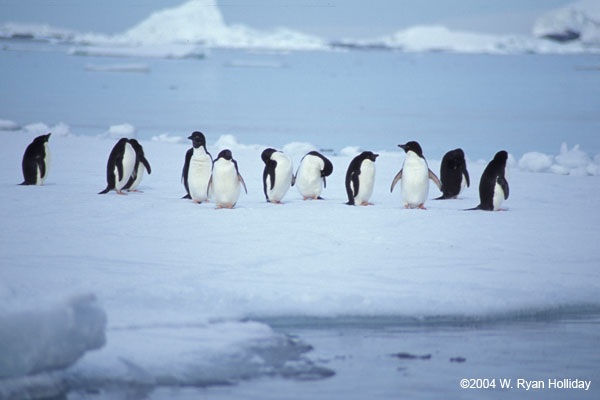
pixel 402 146
pixel 189 137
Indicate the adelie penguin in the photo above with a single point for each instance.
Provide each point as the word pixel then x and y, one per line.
pixel 360 178
pixel 277 175
pixel 415 175
pixel 141 163
pixel 493 187
pixel 310 177
pixel 119 167
pixel 197 169
pixel 225 180
pixel 36 161
pixel 453 174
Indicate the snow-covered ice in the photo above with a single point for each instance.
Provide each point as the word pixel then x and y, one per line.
pixel 192 284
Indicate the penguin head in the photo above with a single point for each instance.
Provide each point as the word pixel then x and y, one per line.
pixel 413 146
pixel 501 157
pixel 225 154
pixel 266 154
pixel 369 155
pixel 197 139
pixel 42 139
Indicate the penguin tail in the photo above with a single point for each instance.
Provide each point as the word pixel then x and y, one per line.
pixel 474 208
pixel 349 203
pixel 105 190
pixel 187 196
pixel 24 183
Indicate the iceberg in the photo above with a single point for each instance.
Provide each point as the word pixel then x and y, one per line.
pixel 578 21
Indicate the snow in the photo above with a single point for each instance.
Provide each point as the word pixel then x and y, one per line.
pixel 144 68
pixel 188 290
pixel 581 16
pixel 121 131
pixel 7 125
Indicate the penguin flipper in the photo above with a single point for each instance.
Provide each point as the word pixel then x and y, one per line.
pixel 324 182
pixel 270 171
pixel 435 179
pixel 41 165
pixel 146 164
pixel 208 187
pixel 396 179
pixel 184 172
pixel 242 182
pixel 466 175
pixel 293 180
pixel 504 185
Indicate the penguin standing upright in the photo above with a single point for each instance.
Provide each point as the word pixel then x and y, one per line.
pixel 119 167
pixel 225 180
pixel 197 169
pixel 493 187
pixel 310 177
pixel 138 169
pixel 415 175
pixel 453 174
pixel 36 161
pixel 277 175
pixel 360 178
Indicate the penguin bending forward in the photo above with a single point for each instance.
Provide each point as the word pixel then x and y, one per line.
pixel 197 169
pixel 36 161
pixel 415 175
pixel 138 169
pixel 453 174
pixel 119 166
pixel 310 177
pixel 360 178
pixel 277 175
pixel 225 180
pixel 493 187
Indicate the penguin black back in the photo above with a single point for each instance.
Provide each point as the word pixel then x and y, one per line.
pixel 492 174
pixel 34 160
pixel 452 170
pixel 269 170
pixel 353 173
pixel 115 159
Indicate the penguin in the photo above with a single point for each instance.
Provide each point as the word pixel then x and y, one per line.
pixel 197 169
pixel 453 174
pixel 310 177
pixel 120 166
pixel 225 180
pixel 138 169
pixel 277 175
pixel 415 175
pixel 360 178
pixel 493 187
pixel 36 161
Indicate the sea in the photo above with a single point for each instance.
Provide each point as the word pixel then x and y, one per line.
pixel 371 99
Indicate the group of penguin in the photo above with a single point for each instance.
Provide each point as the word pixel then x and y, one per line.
pixel 220 179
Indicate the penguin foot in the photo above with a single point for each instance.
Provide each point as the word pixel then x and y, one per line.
pixel 135 191
pixel 421 207
pixel 121 193
pixel 365 203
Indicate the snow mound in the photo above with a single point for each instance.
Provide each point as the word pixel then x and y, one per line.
pixel 230 142
pixel 350 151
pixel 45 340
pixel 7 125
pixel 120 131
pixel 577 21
pixel 40 128
pixel 432 38
pixel 12 30
pixel 572 161
pixel 297 150
pixel 166 138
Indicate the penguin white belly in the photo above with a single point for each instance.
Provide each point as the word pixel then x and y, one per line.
pixel 366 181
pixel 40 179
pixel 225 184
pixel 498 196
pixel 128 165
pixel 283 178
pixel 415 181
pixel 198 176
pixel 138 177
pixel 309 181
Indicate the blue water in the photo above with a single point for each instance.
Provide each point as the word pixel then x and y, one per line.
pixel 371 99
